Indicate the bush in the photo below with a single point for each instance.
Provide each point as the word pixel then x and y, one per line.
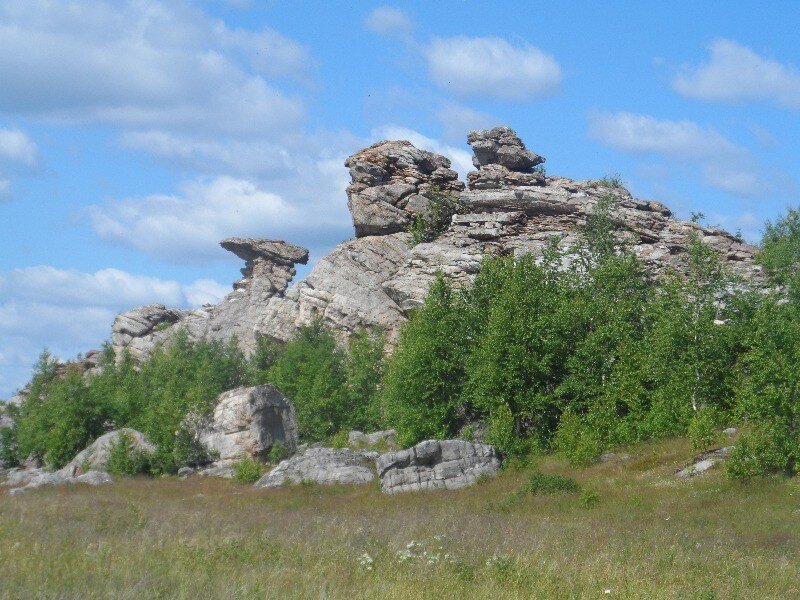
pixel 278 452
pixel 760 452
pixel 589 499
pixel 247 470
pixel 125 459
pixel 427 226
pixel 542 483
pixel 701 431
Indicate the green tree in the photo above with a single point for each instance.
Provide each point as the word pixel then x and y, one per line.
pixel 310 371
pixel 421 393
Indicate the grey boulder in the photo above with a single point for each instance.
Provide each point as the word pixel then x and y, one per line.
pixel 386 439
pixel 95 457
pixel 248 422
pixel 324 466
pixel 433 464
pixel 60 478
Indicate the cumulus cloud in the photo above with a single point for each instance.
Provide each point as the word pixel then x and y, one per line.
pixel 17 147
pixel 461 159
pixel 145 64
pixel 70 311
pixel 724 164
pixel 735 73
pixel 188 226
pixel 492 67
pixel 389 21
pixel 458 120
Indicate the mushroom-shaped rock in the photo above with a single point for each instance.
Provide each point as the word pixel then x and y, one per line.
pixel 271 262
pixel 392 181
pixel 502 160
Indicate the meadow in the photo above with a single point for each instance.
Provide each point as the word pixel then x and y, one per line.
pixel 634 531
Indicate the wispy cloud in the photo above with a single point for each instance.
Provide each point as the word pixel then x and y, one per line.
pixel 492 67
pixel 724 164
pixel 735 73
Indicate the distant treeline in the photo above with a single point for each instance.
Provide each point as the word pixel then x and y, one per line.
pixel 576 352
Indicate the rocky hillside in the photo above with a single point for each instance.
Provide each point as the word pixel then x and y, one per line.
pixel 508 206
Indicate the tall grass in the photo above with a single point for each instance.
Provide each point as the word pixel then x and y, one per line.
pixel 649 536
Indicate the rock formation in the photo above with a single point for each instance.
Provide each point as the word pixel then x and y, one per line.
pixel 95 457
pixel 391 182
pixel 446 464
pixel 324 466
pixel 248 422
pixel 59 478
pixel 375 279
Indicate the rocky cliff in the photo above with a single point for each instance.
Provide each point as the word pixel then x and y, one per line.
pixel 509 206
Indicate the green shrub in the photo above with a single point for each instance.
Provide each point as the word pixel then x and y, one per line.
pixel 247 470
pixel 701 431
pixel 427 226
pixel 576 440
pixel 125 459
pixel 760 452
pixel 589 499
pixel 543 483
pixel 278 452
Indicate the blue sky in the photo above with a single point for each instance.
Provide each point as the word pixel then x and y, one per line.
pixel 134 135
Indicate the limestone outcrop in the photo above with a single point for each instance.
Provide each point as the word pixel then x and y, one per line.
pixel 324 466
pixel 248 422
pixel 374 280
pixel 95 457
pixel 391 182
pixel 59 478
pixel 433 464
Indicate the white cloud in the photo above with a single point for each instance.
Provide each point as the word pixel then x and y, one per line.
pixel 735 73
pixel 17 147
pixel 461 159
pixel 458 120
pixel 493 68
pixel 70 311
pixel 723 163
pixel 145 64
pixel 188 227
pixel 389 21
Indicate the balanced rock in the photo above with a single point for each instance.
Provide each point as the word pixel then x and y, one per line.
pixel 392 181
pixel 270 261
pixel 95 457
pixel 248 422
pixel 433 464
pixel 324 466
pixel 502 160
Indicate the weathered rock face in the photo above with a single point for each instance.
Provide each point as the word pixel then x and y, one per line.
pixel 447 464
pixel 392 182
pixel 324 466
pixel 502 160
pixel 247 422
pixel 374 280
pixel 95 457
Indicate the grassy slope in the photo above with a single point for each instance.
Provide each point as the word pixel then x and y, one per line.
pixel 651 536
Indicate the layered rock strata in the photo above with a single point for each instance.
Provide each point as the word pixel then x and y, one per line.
pixel 375 279
pixel 433 464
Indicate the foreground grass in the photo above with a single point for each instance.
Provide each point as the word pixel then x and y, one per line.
pixel 650 536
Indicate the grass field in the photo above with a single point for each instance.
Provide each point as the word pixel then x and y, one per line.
pixel 650 536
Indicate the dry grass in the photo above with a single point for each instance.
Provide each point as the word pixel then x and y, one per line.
pixel 651 536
